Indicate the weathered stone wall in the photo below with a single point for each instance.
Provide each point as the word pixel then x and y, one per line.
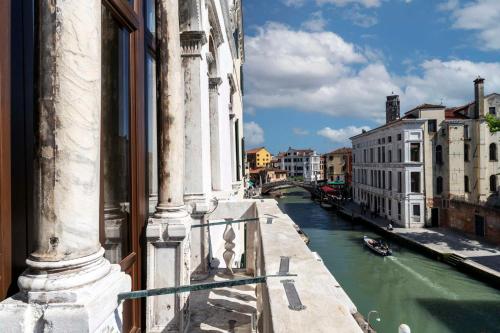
pixel 461 215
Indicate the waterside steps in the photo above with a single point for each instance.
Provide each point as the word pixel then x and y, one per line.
pixel 454 259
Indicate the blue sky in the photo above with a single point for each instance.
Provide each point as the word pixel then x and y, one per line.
pixel 318 71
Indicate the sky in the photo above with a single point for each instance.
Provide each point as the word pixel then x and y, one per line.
pixel 318 71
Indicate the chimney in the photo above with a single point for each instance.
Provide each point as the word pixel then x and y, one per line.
pixel 479 97
pixel 392 108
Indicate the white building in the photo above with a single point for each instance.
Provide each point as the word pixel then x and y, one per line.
pixel 302 163
pixel 388 166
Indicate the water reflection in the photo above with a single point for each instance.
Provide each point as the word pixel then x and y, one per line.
pixel 405 288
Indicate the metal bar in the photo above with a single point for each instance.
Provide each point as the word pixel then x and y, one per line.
pixel 255 219
pixel 284 265
pixel 294 302
pixel 195 287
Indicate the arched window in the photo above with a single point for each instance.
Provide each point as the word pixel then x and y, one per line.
pixel 493 183
pixel 439 154
pixel 439 185
pixel 493 152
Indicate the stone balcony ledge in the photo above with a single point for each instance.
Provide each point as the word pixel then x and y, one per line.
pixel 262 245
pixel 327 306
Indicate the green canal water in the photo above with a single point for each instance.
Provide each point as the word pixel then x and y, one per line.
pixel 429 296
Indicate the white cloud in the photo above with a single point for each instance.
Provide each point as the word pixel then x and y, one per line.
pixel 293 3
pixel 366 3
pixel 341 135
pixel 321 72
pixel 254 134
pixel 300 131
pixel 315 23
pixel 481 16
pixel 359 18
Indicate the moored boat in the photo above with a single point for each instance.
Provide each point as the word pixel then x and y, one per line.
pixel 378 247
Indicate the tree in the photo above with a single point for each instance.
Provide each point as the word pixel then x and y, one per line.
pixel 493 123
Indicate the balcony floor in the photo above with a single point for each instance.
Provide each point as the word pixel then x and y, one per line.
pixel 227 309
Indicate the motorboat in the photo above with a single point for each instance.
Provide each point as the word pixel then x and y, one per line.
pixel 379 247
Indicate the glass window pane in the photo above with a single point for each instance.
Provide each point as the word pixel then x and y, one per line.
pixel 115 129
pixel 150 16
pixel 152 136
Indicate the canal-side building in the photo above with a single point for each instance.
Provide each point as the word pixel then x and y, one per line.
pixel 338 165
pixel 460 163
pixel 388 171
pixel 303 164
pixel 258 157
pixel 322 167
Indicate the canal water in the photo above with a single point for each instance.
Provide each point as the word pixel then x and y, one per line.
pixel 429 296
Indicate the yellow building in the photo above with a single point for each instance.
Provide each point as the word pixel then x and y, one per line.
pixel 258 157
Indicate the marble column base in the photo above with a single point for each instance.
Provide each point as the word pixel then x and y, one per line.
pixel 168 237
pixel 90 308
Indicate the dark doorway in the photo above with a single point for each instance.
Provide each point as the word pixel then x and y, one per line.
pixel 435 217
pixel 480 226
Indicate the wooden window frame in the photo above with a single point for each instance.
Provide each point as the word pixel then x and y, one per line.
pixel 131 18
pixel 5 152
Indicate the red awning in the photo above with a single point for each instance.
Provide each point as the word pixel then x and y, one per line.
pixel 328 189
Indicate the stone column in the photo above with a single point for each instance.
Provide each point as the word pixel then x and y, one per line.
pixel 198 183
pixel 68 285
pixel 215 144
pixel 197 178
pixel 167 233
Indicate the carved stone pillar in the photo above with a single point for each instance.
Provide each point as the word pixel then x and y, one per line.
pixel 197 182
pixel 168 231
pixel 69 285
pixel 215 140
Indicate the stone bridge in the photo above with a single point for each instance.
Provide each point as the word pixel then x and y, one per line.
pixel 268 187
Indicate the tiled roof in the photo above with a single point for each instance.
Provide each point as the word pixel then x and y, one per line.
pixel 343 150
pixel 455 113
pixel 253 151
pixel 426 106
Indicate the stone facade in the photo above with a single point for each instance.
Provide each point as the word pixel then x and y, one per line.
pixel 338 165
pixel 388 170
pixel 460 163
pixel 196 161
pixel 302 163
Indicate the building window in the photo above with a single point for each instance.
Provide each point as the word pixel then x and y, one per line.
pixel 415 152
pixel 493 110
pixel 415 182
pixel 466 152
pixel 432 126
pixel 389 180
pixel 383 179
pixel 379 158
pixel 466 184
pixel 400 155
pixel 439 154
pixel 439 185
pixel 399 211
pixel 400 182
pixel 493 152
pixel 389 139
pixel 493 183
pixel 416 210
pixel 383 154
pixel 390 156
pixel 467 132
pixel 399 137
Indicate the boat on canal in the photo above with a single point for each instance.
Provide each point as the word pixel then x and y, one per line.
pixel 377 247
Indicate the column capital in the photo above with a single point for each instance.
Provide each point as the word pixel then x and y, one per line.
pixel 192 42
pixel 214 83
